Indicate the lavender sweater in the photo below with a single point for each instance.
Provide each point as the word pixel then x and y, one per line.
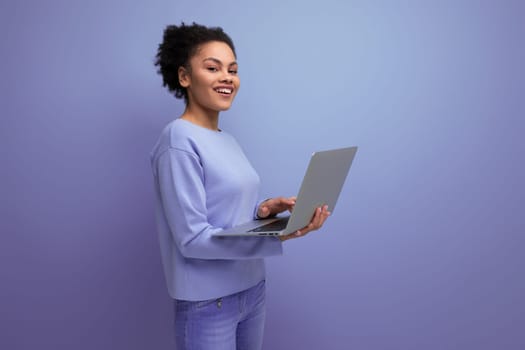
pixel 203 184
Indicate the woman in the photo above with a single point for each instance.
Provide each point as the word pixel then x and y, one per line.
pixel 204 183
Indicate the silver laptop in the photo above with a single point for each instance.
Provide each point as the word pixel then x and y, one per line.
pixel 321 185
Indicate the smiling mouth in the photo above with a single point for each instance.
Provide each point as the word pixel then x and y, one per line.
pixel 224 91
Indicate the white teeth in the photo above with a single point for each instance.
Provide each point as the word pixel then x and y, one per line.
pixel 224 91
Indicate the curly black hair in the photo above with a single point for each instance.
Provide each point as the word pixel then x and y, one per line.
pixel 179 44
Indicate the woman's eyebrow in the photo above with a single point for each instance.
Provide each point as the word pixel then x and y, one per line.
pixel 216 60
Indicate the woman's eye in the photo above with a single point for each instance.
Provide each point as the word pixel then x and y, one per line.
pixel 234 72
pixel 212 69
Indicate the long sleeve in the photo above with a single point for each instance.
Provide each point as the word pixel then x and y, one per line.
pixel 184 202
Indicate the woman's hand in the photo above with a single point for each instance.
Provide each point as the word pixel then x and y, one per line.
pixel 320 216
pixel 274 206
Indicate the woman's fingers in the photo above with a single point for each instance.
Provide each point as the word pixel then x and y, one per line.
pixel 323 215
pixel 275 206
pixel 320 216
pixel 282 204
pixel 318 219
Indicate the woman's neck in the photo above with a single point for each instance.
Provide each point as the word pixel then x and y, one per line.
pixel 206 118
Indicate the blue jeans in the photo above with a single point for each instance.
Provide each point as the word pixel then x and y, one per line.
pixel 233 322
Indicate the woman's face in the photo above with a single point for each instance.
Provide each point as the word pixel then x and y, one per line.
pixel 212 82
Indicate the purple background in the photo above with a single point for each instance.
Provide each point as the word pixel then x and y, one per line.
pixel 425 248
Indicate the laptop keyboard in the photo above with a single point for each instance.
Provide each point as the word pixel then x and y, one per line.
pixel 277 225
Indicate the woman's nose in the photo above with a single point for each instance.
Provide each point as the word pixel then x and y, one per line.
pixel 227 79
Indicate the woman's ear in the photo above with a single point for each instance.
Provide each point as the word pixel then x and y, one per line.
pixel 184 77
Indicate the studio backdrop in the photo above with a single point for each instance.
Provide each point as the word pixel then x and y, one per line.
pixel 425 247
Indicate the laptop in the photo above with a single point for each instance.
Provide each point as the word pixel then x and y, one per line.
pixel 322 184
